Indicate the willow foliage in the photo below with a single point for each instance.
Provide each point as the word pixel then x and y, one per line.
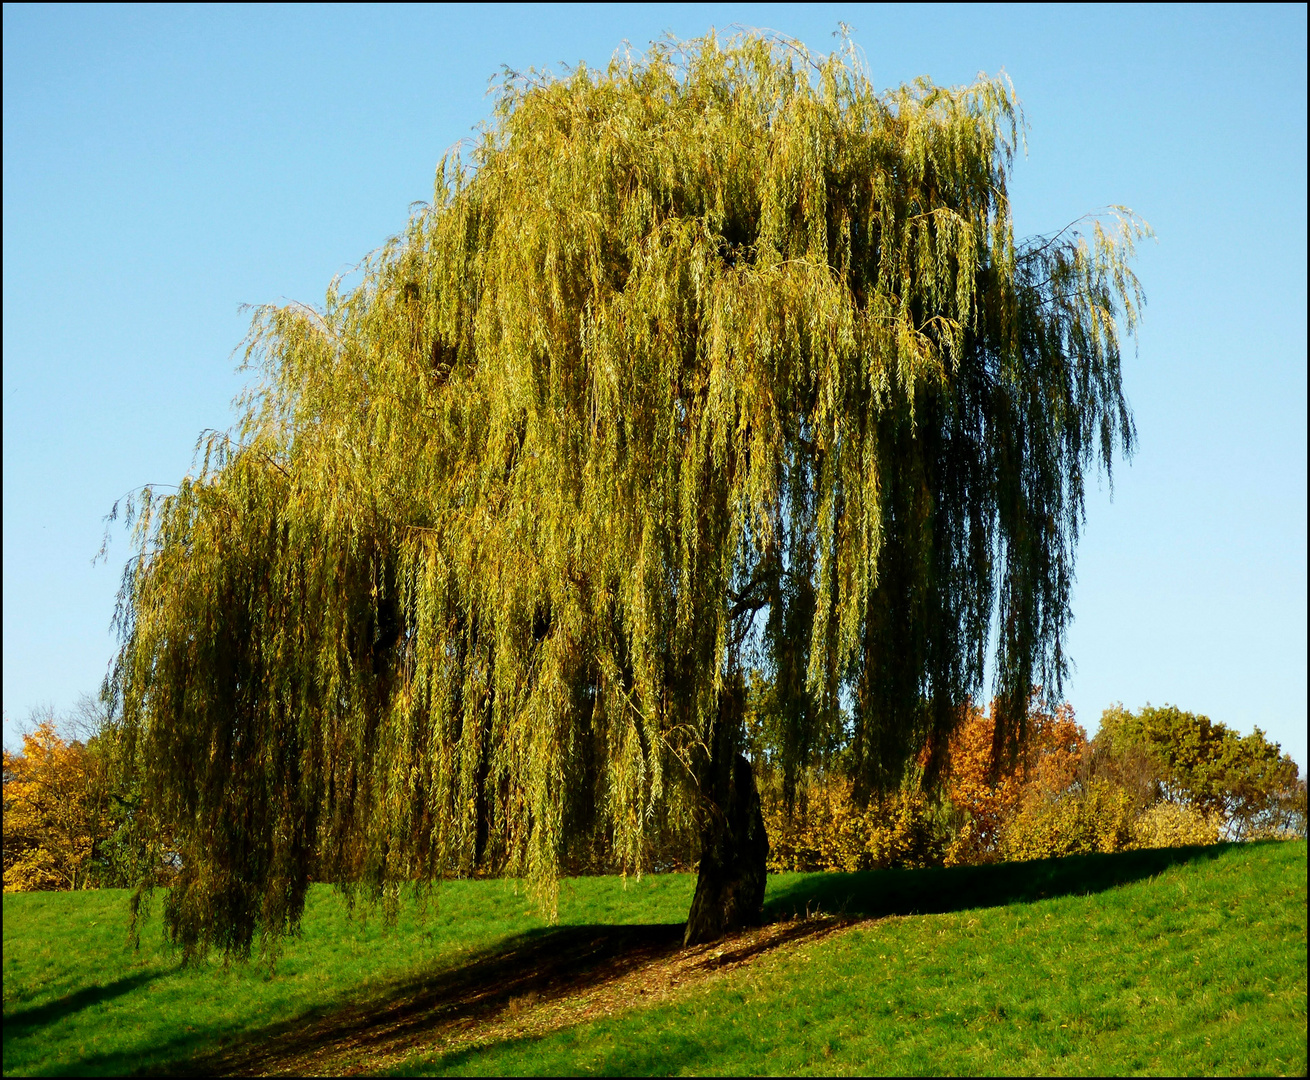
pixel 714 352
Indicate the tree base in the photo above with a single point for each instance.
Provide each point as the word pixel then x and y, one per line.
pixel 733 863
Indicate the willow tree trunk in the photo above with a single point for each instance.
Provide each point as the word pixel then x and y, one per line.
pixel 734 846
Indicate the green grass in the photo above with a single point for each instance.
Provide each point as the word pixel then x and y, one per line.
pixel 77 1000
pixel 1184 961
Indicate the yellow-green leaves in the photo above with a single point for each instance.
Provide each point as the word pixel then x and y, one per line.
pixel 682 332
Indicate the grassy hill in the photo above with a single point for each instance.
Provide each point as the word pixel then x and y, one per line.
pixel 1179 961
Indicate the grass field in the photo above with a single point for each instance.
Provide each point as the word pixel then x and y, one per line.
pixel 1179 961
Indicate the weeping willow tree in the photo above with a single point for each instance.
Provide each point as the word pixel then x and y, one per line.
pixel 716 357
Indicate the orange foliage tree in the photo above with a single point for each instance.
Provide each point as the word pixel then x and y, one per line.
pixel 55 812
pixel 986 794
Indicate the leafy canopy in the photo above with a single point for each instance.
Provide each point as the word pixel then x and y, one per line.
pixel 714 355
pixel 1245 781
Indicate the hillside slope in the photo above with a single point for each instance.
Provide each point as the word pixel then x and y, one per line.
pixel 1190 960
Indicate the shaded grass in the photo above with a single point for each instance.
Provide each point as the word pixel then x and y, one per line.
pixel 1187 960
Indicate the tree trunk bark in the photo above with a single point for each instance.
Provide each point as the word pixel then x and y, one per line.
pixel 734 852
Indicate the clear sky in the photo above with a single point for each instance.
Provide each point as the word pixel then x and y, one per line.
pixel 163 166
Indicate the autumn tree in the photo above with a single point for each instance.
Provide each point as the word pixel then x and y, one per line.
pixel 69 820
pixel 713 357
pixel 987 791
pixel 56 811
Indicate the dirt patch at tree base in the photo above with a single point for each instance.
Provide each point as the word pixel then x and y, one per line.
pixel 529 987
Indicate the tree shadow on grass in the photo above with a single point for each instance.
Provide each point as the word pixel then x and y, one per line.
pixel 542 966
pixel 876 894
pixel 526 972
pixel 23 1022
pixel 536 966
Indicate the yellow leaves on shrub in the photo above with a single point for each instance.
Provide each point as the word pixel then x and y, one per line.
pixel 830 832
pixel 904 831
pixel 1050 824
pixel 1171 824
pixel 51 813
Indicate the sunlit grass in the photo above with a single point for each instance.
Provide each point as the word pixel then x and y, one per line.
pixel 1187 962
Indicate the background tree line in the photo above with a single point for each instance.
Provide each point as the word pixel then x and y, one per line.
pixel 1160 777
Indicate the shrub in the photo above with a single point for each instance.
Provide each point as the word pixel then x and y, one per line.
pixel 827 830
pixel 1098 818
pixel 1171 824
pixel 1246 782
pixel 987 795
pixel 906 830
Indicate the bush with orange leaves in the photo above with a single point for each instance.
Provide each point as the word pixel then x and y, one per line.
pixel 1059 795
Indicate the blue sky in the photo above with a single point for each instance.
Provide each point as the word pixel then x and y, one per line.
pixel 163 166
